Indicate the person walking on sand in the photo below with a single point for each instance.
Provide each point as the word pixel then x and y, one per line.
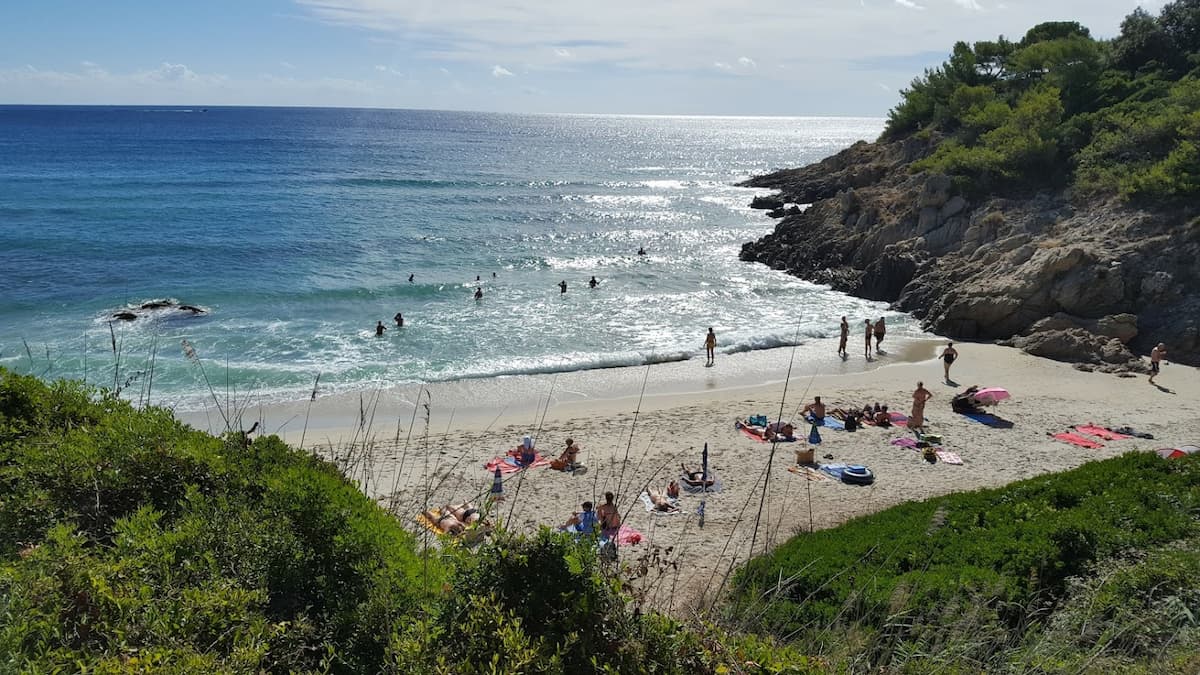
pixel 917 419
pixel 880 329
pixel 949 355
pixel 1156 356
pixel 710 346
pixel 867 349
pixel 399 319
pixel 562 287
pixel 379 328
pixel 844 337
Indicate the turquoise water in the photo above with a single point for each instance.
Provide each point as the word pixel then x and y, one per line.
pixel 297 229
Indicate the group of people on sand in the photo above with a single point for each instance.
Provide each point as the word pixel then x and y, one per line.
pixel 876 331
pixel 593 521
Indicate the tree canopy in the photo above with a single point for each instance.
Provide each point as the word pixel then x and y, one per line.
pixel 1059 107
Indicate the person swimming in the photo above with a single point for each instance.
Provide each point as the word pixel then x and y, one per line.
pixel 379 328
pixel 410 278
pixel 399 319
pixel 593 283
pixel 641 251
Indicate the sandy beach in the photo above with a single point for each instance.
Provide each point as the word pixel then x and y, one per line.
pixel 413 447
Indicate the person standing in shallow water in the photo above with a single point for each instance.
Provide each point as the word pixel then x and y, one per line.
pixel 844 337
pixel 478 293
pixel 562 287
pixel 867 349
pixel 710 346
pixel 399 319
pixel 410 278
pixel 880 330
pixel 379 328
pixel 593 283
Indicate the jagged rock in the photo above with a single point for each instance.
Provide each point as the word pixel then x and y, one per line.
pixel 991 267
pixel 1078 345
pixel 766 202
pixel 125 316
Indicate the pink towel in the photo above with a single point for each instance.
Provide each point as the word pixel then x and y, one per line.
pixel 1076 439
pixel 1101 432
pixel 625 536
pixel 949 457
pixel 508 463
pixel 905 442
pixel 898 419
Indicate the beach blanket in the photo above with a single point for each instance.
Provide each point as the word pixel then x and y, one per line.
pixel 509 464
pixel 649 504
pixel 807 472
pixel 905 443
pixel 989 419
pixel 833 470
pixel 833 423
pixel 1100 432
pixel 751 431
pixel 1076 439
pixel 625 536
pixel 899 419
pixel 473 534
pixel 948 457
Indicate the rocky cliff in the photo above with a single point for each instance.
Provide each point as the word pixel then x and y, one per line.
pixel 1091 281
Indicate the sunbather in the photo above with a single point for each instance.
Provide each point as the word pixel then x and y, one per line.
pixel 446 522
pixel 966 403
pixel 568 460
pixel 695 478
pixel 660 501
pixel 782 431
pixel 466 513
pixel 883 418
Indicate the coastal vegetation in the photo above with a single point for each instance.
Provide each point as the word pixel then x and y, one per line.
pixel 1058 107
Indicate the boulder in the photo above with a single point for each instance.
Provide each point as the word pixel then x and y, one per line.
pixel 766 202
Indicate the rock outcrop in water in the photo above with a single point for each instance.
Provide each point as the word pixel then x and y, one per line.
pixel 1090 281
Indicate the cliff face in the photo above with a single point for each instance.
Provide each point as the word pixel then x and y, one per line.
pixel 1088 281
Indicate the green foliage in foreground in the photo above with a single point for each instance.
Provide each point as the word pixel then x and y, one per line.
pixel 1096 565
pixel 1059 107
pixel 130 543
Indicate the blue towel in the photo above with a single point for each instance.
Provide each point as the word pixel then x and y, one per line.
pixel 834 423
pixel 834 470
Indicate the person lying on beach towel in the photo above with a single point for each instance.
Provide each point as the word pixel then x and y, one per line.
pixel 755 431
pixel 659 502
pixel 966 403
pixel 445 523
pixel 882 418
pixel 695 478
pixel 779 431
pixel 673 490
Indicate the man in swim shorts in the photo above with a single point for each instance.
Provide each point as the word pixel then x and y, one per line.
pixel 845 336
pixel 1156 356
pixel 562 287
pixel 379 328
pixel 880 330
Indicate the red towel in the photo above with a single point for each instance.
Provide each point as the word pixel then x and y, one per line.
pixel 1076 439
pixel 1101 432
pixel 508 464
pixel 625 536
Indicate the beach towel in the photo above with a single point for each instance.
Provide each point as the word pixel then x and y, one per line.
pixel 472 535
pixel 1076 439
pixel 833 423
pixel 833 470
pixel 899 419
pixel 988 419
pixel 1100 432
pixel 905 443
pixel 625 536
pixel 509 464
pixel 649 504
pixel 948 457
pixel 807 472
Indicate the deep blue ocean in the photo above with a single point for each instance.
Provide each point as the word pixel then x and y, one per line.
pixel 297 229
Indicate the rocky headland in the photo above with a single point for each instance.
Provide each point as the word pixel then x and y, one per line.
pixel 1093 281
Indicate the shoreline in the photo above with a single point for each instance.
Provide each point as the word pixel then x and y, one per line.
pixel 428 457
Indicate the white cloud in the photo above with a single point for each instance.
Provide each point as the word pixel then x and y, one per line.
pixel 969 4
pixel 388 70
pixel 746 62
pixel 912 5
pixel 501 71
pixel 721 65
pixel 287 65
pixel 562 53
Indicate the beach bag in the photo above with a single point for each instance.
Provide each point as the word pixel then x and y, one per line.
pixel 851 423
pixel 758 420
pixel 814 438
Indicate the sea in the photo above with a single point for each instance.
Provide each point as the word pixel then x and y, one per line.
pixel 295 230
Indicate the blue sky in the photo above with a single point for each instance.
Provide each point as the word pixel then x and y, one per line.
pixel 714 57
